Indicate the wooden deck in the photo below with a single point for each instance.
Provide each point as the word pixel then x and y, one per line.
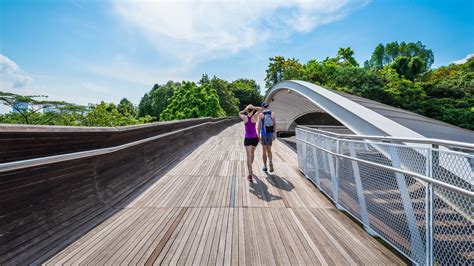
pixel 203 211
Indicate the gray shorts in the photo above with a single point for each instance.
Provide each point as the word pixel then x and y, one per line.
pixel 266 139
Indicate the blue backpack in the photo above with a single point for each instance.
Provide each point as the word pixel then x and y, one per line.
pixel 267 122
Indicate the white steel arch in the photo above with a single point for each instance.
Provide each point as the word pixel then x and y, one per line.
pixel 292 99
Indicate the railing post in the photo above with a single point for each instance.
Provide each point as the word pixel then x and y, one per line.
pixel 429 208
pixel 360 191
pixel 415 237
pixel 316 166
pixel 336 179
pixel 303 153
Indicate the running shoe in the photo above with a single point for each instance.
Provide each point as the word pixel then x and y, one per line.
pixel 264 169
pixel 271 167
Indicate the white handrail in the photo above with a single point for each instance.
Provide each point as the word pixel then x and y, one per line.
pixel 416 175
pixel 450 143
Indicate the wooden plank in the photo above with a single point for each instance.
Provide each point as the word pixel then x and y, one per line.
pixel 203 254
pixel 177 246
pixel 194 237
pixel 293 251
pixel 142 256
pixel 221 246
pixel 156 252
pixel 160 217
pixel 252 255
pixel 242 255
pixel 263 241
pixel 229 243
pixel 278 249
pixel 197 249
pixel 126 238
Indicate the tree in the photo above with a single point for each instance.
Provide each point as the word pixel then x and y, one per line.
pixel 377 58
pixel 280 69
pixel 388 54
pixel 144 107
pixel 108 115
pixel 247 91
pixel 227 100
pixel 29 107
pixel 193 101
pixel 126 107
pixel 155 101
pixel 347 57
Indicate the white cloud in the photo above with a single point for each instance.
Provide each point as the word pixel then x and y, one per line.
pixel 464 60
pixel 198 30
pixel 11 75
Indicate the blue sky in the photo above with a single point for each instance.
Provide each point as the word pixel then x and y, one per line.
pixel 88 51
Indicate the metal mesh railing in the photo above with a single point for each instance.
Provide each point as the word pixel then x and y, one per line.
pixel 417 197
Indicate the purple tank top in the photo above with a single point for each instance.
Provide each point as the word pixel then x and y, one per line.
pixel 250 131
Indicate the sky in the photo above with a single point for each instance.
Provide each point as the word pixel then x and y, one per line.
pixel 86 51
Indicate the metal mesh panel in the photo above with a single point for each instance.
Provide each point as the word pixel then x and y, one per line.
pixel 429 223
pixel 410 158
pixel 453 221
pixel 452 228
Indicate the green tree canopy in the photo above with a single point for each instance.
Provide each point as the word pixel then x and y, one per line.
pixel 280 69
pixel 386 55
pixel 126 107
pixel 192 101
pixel 247 92
pixel 32 106
pixel 346 57
pixel 108 115
pixel 228 102
pixel 155 101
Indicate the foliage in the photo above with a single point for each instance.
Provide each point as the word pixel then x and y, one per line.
pixel 247 91
pixel 397 74
pixel 30 112
pixel 388 54
pixel 193 101
pixel 346 57
pixel 154 102
pixel 109 115
pixel 282 69
pixel 126 108
pixel 228 102
pixel 42 112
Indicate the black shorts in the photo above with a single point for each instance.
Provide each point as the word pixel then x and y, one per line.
pixel 250 141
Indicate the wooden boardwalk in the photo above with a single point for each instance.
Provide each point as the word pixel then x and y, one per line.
pixel 203 211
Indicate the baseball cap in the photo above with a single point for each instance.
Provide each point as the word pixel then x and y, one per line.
pixel 265 104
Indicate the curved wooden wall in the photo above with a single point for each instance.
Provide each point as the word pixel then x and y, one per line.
pixel 21 142
pixel 46 206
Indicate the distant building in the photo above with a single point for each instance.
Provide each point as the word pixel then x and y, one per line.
pixel 23 106
pixel 50 109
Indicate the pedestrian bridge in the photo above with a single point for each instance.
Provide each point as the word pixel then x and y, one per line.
pixel 175 193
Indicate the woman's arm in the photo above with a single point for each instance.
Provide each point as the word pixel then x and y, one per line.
pixel 259 111
pixel 243 116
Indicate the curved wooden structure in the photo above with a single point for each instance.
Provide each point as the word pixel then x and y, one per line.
pixel 22 142
pixel 45 205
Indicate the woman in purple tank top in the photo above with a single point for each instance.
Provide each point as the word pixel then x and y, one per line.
pixel 250 115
